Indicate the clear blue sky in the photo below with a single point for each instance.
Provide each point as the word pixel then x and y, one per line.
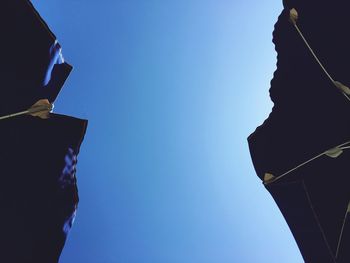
pixel 171 89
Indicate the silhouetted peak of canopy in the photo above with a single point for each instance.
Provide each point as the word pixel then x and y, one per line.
pixel 31 66
pixel 301 151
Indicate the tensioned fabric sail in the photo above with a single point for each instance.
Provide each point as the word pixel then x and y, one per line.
pixel 38 153
pixel 301 151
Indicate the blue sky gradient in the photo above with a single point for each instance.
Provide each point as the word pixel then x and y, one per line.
pixel 171 89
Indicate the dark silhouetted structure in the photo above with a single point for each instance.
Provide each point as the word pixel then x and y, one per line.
pixel 38 156
pixel 300 152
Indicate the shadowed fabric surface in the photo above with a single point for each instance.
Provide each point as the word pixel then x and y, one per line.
pixel 39 194
pixel 30 67
pixel 309 117
pixel 38 157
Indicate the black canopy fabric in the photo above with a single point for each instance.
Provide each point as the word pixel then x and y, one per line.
pixel 300 152
pixel 38 157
